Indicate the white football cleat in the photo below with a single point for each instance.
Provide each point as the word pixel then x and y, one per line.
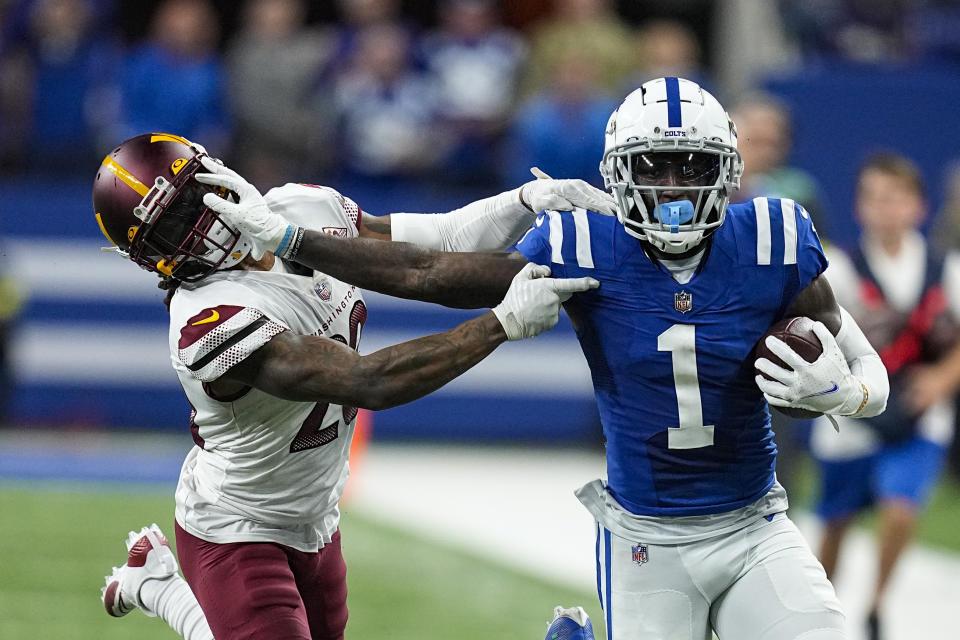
pixel 149 557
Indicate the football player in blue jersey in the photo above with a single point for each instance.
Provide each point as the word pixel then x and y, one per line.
pixel 692 531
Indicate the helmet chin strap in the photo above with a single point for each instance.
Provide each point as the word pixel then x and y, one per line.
pixel 670 251
pixel 240 251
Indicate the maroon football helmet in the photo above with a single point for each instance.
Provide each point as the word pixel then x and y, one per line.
pixel 149 206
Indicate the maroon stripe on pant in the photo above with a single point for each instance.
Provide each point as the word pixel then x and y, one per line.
pixel 265 590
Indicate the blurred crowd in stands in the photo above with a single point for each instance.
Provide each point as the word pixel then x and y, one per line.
pixel 466 92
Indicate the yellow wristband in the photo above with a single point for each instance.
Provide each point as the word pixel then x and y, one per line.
pixel 866 397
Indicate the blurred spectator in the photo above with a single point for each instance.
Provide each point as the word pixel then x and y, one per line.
pixel 876 31
pixel 946 237
pixel 592 30
pixel 749 41
pixel 764 138
pixel 355 17
pixel 854 30
pixel 667 48
pixel 11 299
pixel 53 86
pixel 947 225
pixel 933 30
pixel 476 62
pixel 556 130
pixel 386 109
pixel 15 75
pixel 175 81
pixel 906 298
pixel 272 65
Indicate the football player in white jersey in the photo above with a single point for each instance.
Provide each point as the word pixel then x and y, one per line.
pixel 265 352
pixel 692 531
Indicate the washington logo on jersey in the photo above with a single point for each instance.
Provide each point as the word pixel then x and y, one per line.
pixel 639 553
pixel 336 232
pixel 683 301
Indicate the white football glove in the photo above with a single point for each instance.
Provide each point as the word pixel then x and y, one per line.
pixel 266 230
pixel 547 194
pixel 825 385
pixel 532 303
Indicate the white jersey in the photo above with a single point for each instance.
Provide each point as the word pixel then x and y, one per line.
pixel 265 469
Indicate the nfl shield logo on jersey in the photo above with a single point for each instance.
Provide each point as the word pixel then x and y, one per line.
pixel 682 301
pixel 323 290
pixel 639 553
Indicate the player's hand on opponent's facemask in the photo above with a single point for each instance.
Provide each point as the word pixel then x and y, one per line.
pixel 266 230
pixel 532 303
pixel 825 385
pixel 547 194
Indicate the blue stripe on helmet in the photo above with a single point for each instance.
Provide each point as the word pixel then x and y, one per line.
pixel 673 103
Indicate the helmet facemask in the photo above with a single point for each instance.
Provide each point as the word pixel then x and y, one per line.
pixel 180 237
pixel 672 195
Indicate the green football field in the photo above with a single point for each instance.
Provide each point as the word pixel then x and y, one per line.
pixel 57 542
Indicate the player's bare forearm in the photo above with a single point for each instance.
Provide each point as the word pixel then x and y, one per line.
pixel 460 280
pixel 414 369
pixel 816 301
pixel 314 369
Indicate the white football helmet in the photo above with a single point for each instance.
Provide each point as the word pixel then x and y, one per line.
pixel 670 159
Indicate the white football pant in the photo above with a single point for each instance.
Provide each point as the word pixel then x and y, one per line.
pixel 759 583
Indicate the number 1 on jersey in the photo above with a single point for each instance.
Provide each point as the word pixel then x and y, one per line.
pixel 680 341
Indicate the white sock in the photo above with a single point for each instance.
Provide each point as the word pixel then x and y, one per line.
pixel 172 600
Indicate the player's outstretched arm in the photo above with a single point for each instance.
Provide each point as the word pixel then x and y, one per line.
pixel 847 379
pixel 460 280
pixel 310 368
pixel 490 224
pixel 315 369
pixel 397 269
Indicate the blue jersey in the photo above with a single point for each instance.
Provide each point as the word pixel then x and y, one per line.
pixel 687 431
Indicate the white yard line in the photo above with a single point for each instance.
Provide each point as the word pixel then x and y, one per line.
pixel 516 506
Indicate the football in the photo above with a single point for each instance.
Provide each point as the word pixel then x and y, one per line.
pixel 798 333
